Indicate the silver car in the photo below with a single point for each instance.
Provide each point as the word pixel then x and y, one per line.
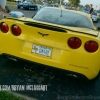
pixel 95 17
pixel 98 13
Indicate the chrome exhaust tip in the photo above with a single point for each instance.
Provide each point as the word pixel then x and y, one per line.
pixel 72 75
pixel 13 59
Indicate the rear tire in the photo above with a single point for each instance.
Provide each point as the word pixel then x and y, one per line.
pixel 18 7
pixel 36 8
pixel 28 8
pixel 83 78
pixel 96 21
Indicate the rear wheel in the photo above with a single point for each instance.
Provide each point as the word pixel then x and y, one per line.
pixel 83 78
pixel 96 21
pixel 35 8
pixel 18 7
pixel 28 8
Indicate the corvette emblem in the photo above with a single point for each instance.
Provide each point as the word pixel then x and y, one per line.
pixel 43 34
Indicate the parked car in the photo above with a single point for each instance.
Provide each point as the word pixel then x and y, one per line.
pixel 16 14
pixel 63 6
pixel 85 10
pixel 27 5
pixel 64 39
pixel 98 13
pixel 50 5
pixel 95 17
pixel 47 5
pixel 18 0
pixel 13 14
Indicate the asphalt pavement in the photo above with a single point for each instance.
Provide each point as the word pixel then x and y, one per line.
pixel 28 13
pixel 59 87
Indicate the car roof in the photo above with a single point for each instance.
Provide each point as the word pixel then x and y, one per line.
pixel 27 2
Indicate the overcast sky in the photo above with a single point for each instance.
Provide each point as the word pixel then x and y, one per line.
pixel 94 2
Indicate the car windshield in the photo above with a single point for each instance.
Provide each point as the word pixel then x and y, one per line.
pixel 94 13
pixel 63 17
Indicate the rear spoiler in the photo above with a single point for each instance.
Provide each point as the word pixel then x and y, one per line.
pixel 49 27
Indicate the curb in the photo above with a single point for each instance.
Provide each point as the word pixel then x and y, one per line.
pixel 22 96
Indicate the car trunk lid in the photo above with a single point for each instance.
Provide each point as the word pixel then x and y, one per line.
pixel 30 22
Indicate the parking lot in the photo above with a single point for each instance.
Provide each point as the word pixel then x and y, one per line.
pixel 59 87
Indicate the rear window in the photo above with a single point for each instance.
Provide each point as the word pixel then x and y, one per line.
pixel 63 17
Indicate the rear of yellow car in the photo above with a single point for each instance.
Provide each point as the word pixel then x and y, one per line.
pixel 51 45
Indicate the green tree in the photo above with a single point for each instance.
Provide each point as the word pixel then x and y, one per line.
pixel 81 6
pixel 74 3
pixel 68 4
pixel 87 6
pixel 58 1
pixel 49 1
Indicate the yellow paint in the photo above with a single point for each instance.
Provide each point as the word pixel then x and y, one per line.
pixel 62 56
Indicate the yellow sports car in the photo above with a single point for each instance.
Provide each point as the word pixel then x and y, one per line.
pixel 56 37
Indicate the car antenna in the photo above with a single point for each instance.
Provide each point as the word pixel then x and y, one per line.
pixel 61 9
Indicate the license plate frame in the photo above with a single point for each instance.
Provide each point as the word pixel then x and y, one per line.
pixel 41 50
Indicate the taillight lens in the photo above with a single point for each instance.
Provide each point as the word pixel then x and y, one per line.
pixel 4 27
pixel 74 42
pixel 16 30
pixel 91 46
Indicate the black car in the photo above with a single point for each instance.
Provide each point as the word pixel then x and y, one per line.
pixel 27 5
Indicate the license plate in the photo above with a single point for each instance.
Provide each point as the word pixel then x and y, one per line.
pixel 42 50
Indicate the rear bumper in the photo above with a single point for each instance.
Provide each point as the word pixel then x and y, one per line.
pixel 64 72
pixel 95 19
pixel 78 61
pixel 74 65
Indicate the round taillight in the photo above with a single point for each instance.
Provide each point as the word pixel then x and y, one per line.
pixel 74 42
pixel 4 27
pixel 91 46
pixel 16 30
